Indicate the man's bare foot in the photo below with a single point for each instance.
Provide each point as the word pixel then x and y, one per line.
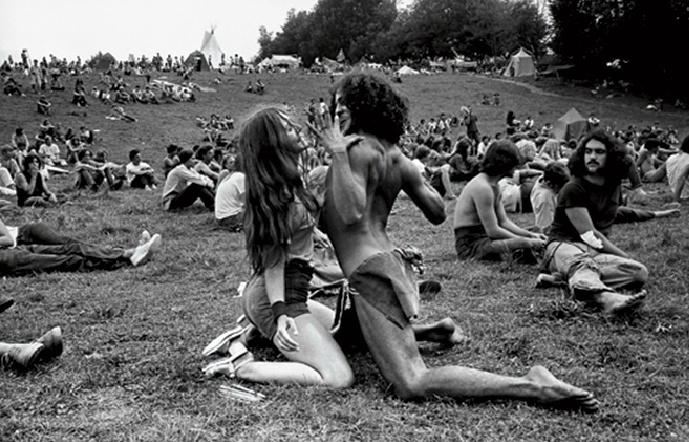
pixel 554 393
pixel 444 331
pixel 622 304
pixel 667 213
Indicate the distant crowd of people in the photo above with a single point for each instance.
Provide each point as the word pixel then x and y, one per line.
pixel 348 165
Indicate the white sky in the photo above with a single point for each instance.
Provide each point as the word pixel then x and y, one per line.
pixel 67 28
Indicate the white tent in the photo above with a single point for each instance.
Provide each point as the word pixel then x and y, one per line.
pixel 210 48
pixel 330 65
pixel 521 64
pixel 406 70
pixel 287 61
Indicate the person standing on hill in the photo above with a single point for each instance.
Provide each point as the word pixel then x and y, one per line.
pixel 367 173
pixel 471 122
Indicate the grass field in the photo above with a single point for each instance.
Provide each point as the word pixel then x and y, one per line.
pixel 131 367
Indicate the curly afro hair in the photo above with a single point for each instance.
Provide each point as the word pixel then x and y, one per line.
pixel 374 106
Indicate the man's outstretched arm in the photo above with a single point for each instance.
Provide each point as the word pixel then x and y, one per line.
pixel 424 196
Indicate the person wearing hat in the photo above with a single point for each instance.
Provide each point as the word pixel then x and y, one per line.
pixel 184 185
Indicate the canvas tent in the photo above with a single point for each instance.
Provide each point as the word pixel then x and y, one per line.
pixel 198 61
pixel 406 70
pixel 570 126
pixel 521 64
pixel 105 61
pixel 211 48
pixel 331 65
pixel 285 61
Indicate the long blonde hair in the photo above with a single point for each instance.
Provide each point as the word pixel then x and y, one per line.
pixel 273 183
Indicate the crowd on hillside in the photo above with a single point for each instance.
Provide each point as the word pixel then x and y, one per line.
pixel 573 186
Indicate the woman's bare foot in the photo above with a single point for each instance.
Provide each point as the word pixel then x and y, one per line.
pixel 616 303
pixel 557 394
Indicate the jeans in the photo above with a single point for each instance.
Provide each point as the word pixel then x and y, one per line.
pixel 589 271
pixel 42 249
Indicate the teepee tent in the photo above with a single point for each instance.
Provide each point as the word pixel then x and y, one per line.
pixel 210 48
pixel 521 64
pixel 198 61
pixel 570 126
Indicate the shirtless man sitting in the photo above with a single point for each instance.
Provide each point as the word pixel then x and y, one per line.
pixel 367 173
pixel 482 229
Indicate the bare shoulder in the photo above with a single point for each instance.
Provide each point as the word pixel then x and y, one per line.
pixel 369 148
pixel 478 186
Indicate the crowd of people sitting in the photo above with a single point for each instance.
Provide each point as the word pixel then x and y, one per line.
pixel 519 169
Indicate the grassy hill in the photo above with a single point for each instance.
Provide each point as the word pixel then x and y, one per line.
pixel 131 368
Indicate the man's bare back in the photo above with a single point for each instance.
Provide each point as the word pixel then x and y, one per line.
pixel 381 171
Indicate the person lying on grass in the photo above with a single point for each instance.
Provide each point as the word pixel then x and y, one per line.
pixel 38 248
pixel 578 245
pixel 367 173
pixel 280 226
pixel 482 228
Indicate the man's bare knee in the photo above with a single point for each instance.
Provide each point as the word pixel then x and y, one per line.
pixel 409 388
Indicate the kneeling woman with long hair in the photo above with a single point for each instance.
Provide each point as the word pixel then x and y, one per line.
pixel 280 219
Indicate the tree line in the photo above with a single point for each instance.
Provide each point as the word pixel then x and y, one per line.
pixel 377 30
pixel 642 42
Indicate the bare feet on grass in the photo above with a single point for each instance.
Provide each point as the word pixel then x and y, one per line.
pixel 554 393
pixel 444 331
pixel 667 213
pixel 616 303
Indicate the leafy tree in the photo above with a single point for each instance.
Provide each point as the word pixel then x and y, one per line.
pixel 265 43
pixel 647 37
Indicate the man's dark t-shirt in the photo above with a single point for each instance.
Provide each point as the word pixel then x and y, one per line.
pixel 600 201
